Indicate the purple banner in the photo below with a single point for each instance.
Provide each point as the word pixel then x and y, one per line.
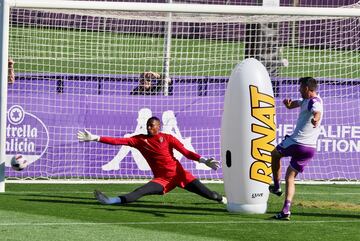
pixel 42 125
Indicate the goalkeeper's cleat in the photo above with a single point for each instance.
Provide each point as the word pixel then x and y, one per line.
pixel 101 197
pixel 282 216
pixel 223 200
pixel 277 192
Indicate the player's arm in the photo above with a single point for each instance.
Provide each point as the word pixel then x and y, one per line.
pixel 87 136
pixel 316 109
pixel 210 162
pixel 290 104
pixel 176 144
pixel 316 118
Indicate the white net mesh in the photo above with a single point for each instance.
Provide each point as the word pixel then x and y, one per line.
pixel 296 3
pixel 82 69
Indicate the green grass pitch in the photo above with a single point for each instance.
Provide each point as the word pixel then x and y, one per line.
pixel 68 51
pixel 69 212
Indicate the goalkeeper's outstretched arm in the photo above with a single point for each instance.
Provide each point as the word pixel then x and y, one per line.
pixel 210 162
pixel 87 136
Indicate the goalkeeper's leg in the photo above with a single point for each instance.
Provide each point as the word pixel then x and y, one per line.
pixel 149 188
pixel 197 187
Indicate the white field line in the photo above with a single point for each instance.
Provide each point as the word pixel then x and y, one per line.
pixel 177 223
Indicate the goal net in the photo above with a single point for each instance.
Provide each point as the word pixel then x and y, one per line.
pixel 77 69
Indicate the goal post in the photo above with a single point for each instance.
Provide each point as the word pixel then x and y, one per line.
pixel 79 65
pixel 4 44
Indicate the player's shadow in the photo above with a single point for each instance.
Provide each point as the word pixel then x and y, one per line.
pixel 324 215
pixel 329 215
pixel 158 209
pixel 59 196
pixel 150 207
pixel 90 202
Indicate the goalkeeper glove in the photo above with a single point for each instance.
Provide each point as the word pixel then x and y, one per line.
pixel 210 162
pixel 87 136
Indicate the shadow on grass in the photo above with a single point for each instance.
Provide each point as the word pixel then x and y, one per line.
pixel 195 209
pixel 150 207
pixel 60 196
pixel 92 202
pixel 329 215
pixel 163 211
pixel 91 197
pixel 321 215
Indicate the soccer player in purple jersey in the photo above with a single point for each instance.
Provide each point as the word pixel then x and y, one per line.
pixel 301 145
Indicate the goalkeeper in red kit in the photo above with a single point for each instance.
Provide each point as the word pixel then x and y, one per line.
pixel 157 149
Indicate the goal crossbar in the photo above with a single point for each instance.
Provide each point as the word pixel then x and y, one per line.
pixel 187 8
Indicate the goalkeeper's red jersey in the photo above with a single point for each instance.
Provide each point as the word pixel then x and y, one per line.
pixel 157 150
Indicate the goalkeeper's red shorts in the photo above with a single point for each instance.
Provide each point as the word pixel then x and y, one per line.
pixel 181 179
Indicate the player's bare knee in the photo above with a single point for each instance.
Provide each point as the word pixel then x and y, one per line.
pixel 291 174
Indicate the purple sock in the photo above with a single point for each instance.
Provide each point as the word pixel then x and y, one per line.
pixel 287 205
pixel 276 185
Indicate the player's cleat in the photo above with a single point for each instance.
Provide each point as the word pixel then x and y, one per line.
pixel 101 197
pixel 277 192
pixel 282 216
pixel 223 200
